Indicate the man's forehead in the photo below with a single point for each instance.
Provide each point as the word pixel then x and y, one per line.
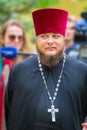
pixel 50 34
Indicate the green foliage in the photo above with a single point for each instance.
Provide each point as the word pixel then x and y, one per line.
pixel 46 3
pixel 85 8
pixel 14 8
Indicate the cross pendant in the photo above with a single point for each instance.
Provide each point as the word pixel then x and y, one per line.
pixel 53 110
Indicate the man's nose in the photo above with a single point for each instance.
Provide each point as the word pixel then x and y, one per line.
pixel 50 40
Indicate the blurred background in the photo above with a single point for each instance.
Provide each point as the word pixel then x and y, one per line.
pixel 22 10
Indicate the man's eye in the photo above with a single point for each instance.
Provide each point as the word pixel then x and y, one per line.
pixel 56 36
pixel 44 36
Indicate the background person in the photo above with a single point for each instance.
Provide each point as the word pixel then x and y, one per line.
pixel 12 34
pixel 47 91
pixel 71 48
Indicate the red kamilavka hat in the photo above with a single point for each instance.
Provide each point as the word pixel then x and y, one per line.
pixel 50 20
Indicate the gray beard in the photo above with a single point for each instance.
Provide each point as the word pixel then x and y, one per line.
pixel 50 61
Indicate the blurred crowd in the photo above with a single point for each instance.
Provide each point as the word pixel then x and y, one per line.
pixel 76 37
pixel 12 34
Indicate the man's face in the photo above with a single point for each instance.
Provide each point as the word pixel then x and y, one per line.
pixel 13 37
pixel 70 30
pixel 50 45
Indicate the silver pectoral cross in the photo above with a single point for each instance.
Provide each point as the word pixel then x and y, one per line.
pixel 53 110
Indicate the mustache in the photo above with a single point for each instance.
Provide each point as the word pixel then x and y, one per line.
pixel 48 47
pixel 50 61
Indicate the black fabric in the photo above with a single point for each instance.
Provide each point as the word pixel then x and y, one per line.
pixel 26 99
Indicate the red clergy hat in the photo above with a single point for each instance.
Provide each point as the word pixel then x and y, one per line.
pixel 50 20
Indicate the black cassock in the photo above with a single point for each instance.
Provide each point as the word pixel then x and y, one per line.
pixel 27 102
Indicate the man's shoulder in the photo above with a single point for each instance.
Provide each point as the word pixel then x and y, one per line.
pixel 29 62
pixel 77 63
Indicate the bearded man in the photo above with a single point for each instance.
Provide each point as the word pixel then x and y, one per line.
pixel 47 91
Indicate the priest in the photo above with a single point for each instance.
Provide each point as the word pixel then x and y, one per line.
pixel 47 91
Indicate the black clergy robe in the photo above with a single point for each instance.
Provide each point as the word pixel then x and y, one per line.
pixel 27 102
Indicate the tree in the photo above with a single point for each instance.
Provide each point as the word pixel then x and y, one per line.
pixel 14 8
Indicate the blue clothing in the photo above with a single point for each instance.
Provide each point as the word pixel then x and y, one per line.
pixel 73 51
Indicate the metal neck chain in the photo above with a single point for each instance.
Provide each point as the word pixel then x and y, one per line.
pixel 52 99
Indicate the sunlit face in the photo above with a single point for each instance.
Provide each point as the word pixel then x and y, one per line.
pixel 50 45
pixel 13 37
